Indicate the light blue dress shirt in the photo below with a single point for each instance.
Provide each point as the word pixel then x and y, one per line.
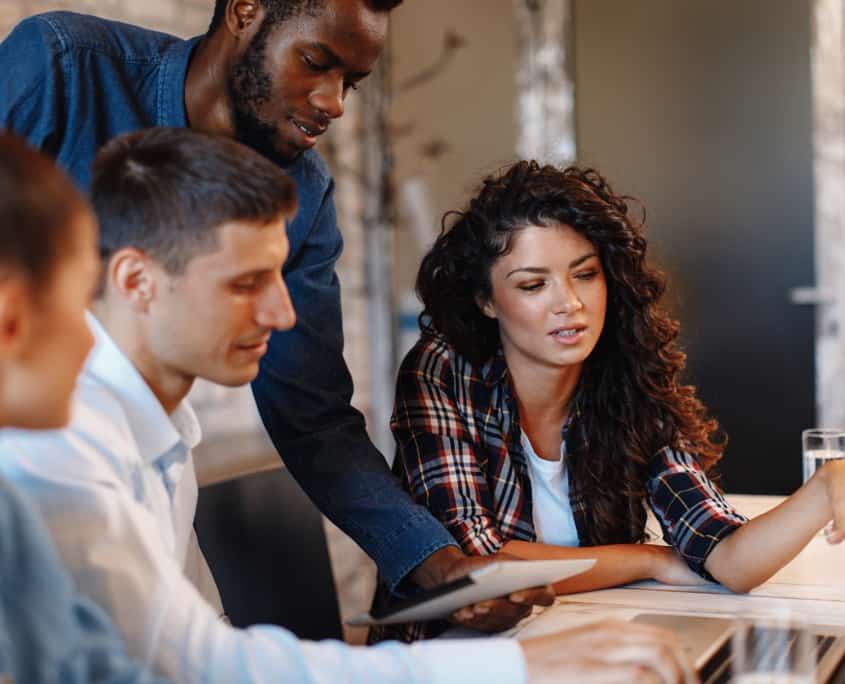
pixel 117 490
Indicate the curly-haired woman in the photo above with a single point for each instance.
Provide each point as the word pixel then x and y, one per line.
pixel 543 406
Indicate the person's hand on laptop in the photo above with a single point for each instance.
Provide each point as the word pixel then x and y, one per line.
pixel 495 615
pixel 610 652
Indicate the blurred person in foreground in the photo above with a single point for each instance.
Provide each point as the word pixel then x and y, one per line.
pixel 49 264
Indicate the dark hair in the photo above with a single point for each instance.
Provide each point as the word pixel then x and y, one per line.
pixel 38 205
pixel 165 190
pixel 631 399
pixel 277 11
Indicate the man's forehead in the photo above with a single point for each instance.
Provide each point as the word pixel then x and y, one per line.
pixel 351 30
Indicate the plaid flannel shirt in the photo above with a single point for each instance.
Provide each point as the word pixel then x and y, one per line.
pixel 459 453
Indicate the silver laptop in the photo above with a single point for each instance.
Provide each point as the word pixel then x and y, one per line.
pixel 707 642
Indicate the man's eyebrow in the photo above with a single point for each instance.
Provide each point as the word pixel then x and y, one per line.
pixel 334 59
pixel 542 271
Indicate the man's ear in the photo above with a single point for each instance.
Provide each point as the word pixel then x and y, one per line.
pixel 243 17
pixel 486 306
pixel 132 274
pixel 16 311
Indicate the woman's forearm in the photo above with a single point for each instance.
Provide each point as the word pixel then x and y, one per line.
pixel 615 564
pixel 761 547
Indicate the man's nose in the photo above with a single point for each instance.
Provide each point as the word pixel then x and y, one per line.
pixel 328 97
pixel 276 309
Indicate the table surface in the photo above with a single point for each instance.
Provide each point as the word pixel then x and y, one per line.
pixel 812 586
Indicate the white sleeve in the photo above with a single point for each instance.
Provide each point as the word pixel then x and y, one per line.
pixel 117 556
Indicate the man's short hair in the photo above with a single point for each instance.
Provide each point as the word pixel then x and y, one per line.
pixel 165 191
pixel 279 10
pixel 38 205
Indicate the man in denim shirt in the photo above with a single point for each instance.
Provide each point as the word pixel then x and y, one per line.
pixel 274 75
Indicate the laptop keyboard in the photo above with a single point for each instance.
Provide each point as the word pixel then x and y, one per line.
pixel 717 670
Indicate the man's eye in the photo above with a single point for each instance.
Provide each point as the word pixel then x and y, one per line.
pixel 313 64
pixel 244 286
pixel 353 85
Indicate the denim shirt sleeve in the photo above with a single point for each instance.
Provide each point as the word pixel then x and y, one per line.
pixel 303 393
pixel 52 633
pixel 32 84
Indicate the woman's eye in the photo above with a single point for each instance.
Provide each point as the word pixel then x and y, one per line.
pixel 586 275
pixel 531 287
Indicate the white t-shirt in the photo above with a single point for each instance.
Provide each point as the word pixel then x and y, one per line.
pixel 554 522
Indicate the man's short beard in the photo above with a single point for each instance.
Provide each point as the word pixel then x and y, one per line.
pixel 249 86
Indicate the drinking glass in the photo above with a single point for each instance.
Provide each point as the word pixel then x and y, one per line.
pixel 818 446
pixel 772 652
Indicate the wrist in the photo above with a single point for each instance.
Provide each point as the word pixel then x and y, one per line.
pixel 437 568
pixel 653 560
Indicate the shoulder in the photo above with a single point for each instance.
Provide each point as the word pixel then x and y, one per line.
pixel 312 177
pixel 86 32
pixel 431 355
pixel 96 446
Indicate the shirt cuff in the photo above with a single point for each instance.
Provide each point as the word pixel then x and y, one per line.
pixel 710 534
pixel 418 539
pixel 473 661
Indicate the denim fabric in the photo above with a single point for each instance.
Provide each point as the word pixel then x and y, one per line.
pixel 71 82
pixel 48 632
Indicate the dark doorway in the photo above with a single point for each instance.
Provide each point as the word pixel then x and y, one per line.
pixel 703 110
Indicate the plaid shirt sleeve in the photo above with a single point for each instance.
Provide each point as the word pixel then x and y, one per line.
pixel 437 451
pixel 692 512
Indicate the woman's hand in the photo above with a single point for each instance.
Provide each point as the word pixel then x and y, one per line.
pixel 833 476
pixel 670 568
pixel 610 652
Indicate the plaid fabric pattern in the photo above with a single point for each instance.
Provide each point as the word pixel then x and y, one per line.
pixel 459 453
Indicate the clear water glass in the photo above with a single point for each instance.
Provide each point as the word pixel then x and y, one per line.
pixel 818 446
pixel 772 652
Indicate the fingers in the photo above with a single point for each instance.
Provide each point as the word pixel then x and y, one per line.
pixel 538 596
pixel 491 616
pixel 610 650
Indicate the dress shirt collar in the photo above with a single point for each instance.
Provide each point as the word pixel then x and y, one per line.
pixel 155 432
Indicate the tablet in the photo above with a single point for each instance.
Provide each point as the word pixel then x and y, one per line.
pixel 491 581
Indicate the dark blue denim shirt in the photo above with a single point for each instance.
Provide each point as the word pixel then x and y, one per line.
pixel 48 632
pixel 69 83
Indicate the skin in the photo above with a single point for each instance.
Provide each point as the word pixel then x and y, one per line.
pixel 44 338
pixel 212 321
pixel 303 73
pixel 608 653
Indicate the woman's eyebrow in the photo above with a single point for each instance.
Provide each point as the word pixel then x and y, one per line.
pixel 580 260
pixel 542 270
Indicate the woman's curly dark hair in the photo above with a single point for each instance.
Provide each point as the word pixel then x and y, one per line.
pixel 632 400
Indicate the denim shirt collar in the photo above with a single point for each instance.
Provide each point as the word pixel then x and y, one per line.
pixel 171 87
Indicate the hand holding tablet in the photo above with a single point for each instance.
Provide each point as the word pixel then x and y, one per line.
pixel 488 582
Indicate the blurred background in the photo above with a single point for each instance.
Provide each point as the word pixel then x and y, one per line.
pixel 726 120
